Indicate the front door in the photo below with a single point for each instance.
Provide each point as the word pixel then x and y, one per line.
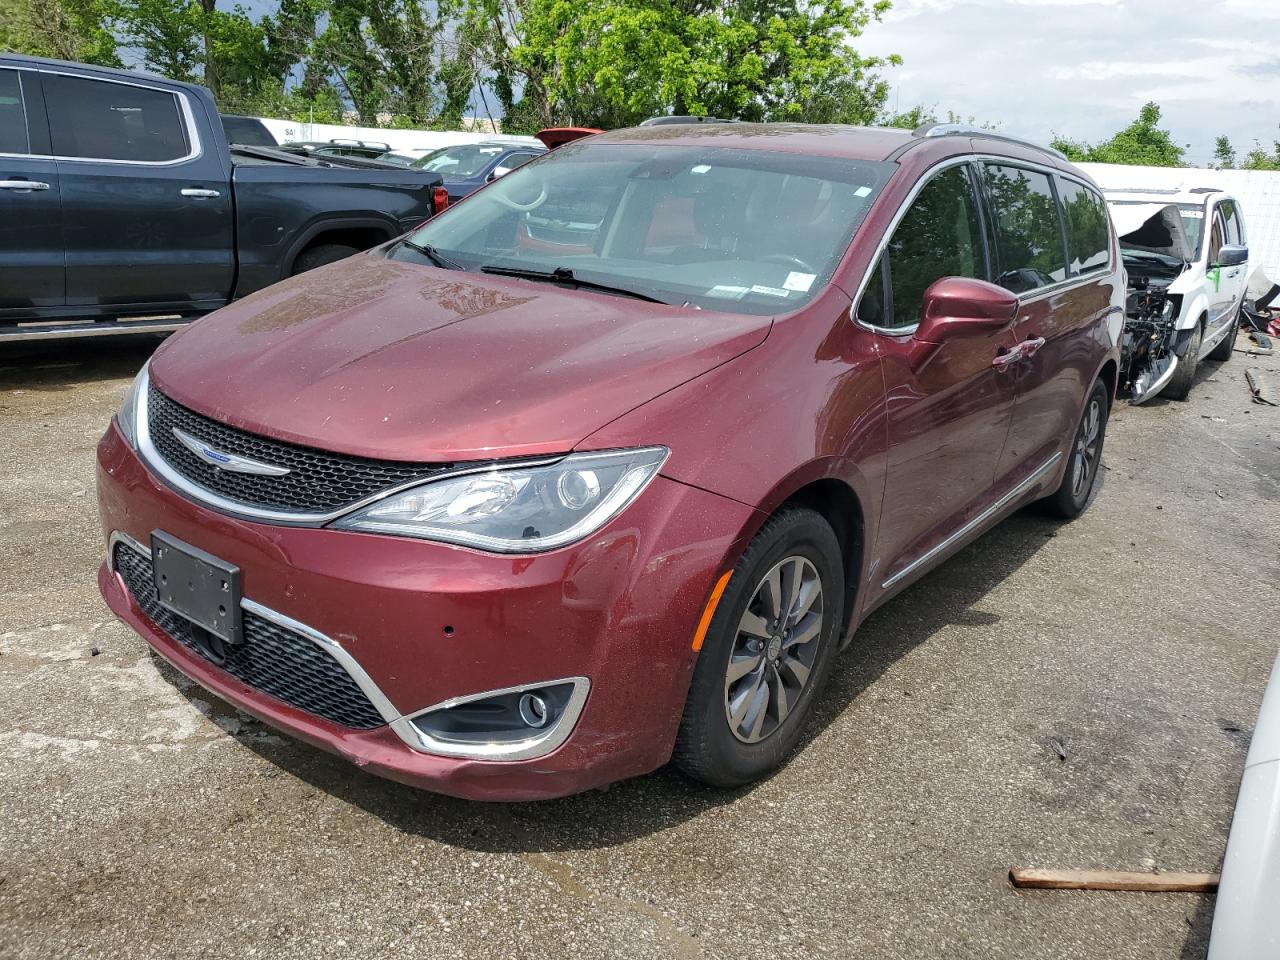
pixel 32 273
pixel 152 204
pixel 948 405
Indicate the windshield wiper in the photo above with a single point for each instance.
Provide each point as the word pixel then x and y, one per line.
pixel 565 276
pixel 434 255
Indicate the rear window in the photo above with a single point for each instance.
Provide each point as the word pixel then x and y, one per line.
pixel 100 120
pixel 1028 229
pixel 1088 230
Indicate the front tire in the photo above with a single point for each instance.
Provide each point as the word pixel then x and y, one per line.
pixel 1179 385
pixel 321 254
pixel 1085 458
pixel 767 652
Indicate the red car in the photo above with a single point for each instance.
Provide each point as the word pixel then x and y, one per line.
pixel 600 467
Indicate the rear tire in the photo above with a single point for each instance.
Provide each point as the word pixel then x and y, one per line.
pixel 1179 385
pixel 756 679
pixel 1224 349
pixel 320 255
pixel 1085 458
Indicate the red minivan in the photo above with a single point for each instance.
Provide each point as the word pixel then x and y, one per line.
pixel 600 467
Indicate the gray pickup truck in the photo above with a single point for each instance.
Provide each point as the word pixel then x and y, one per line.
pixel 123 208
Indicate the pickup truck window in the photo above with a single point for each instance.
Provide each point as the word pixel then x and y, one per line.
pixel 13 116
pixel 103 120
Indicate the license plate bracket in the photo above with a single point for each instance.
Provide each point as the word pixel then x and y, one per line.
pixel 197 586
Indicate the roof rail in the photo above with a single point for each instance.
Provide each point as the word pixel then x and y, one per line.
pixel 973 130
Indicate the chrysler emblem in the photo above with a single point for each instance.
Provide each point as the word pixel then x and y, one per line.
pixel 227 461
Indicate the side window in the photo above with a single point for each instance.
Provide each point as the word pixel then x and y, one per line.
pixel 13 116
pixel 1217 235
pixel 1231 212
pixel 940 236
pixel 98 120
pixel 1028 229
pixel 1088 227
pixel 517 160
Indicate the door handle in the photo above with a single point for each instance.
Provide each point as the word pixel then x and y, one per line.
pixel 199 193
pixel 1030 346
pixel 26 186
pixel 1003 361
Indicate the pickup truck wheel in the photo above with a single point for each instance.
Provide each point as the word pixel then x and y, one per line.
pixel 1084 458
pixel 1179 386
pixel 766 654
pixel 321 254
pixel 1223 350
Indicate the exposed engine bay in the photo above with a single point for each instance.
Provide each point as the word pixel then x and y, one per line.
pixel 1155 252
pixel 1147 358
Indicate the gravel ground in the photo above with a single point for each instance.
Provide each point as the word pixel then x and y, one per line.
pixel 140 817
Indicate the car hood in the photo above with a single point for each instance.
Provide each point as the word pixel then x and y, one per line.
pixel 381 358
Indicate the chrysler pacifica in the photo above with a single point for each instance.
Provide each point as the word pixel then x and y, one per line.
pixel 599 468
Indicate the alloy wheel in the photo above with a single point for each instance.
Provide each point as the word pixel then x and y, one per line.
pixel 1084 461
pixel 774 649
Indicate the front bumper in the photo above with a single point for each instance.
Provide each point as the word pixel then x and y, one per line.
pixel 425 623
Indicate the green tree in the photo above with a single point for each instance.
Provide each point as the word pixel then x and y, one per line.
pixel 616 62
pixel 64 29
pixel 1259 159
pixel 1224 154
pixel 1142 143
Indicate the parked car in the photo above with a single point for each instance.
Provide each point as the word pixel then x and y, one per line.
pixel 365 149
pixel 123 208
pixel 509 517
pixel 247 131
pixel 1187 259
pixel 467 167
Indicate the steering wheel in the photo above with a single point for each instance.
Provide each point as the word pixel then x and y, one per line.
pixel 500 195
pixel 786 258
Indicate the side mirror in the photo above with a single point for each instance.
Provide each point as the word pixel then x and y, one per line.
pixel 1231 255
pixel 499 171
pixel 956 307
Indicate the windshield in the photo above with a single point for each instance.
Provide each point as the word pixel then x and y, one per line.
pixel 1192 221
pixel 750 231
pixel 462 162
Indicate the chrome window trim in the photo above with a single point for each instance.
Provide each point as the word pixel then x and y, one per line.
pixel 1031 296
pixel 976 522
pixel 539 745
pixel 153 460
pixel 184 102
pixel 543 743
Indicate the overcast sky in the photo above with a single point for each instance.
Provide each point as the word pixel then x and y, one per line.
pixel 1083 68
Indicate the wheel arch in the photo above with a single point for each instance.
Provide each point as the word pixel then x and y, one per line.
pixel 359 232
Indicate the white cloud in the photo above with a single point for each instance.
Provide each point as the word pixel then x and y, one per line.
pixel 1083 68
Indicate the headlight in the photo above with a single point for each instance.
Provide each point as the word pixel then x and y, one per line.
pixel 516 509
pixel 127 417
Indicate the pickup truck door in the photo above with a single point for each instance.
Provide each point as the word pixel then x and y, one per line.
pixel 147 199
pixel 32 273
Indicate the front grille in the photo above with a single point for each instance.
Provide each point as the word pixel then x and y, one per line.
pixel 277 661
pixel 318 481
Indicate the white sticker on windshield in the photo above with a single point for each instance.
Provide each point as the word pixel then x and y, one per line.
pixel 771 291
pixel 1193 214
pixel 701 168
pixel 800 281
pixel 727 291
pixel 862 192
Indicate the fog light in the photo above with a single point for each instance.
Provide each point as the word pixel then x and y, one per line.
pixel 516 723
pixel 534 710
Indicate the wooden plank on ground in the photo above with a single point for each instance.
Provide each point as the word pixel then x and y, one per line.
pixel 1029 878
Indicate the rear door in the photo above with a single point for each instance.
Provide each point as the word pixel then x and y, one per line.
pixel 1061 303
pixel 150 215
pixel 32 272
pixel 948 405
pixel 1218 280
